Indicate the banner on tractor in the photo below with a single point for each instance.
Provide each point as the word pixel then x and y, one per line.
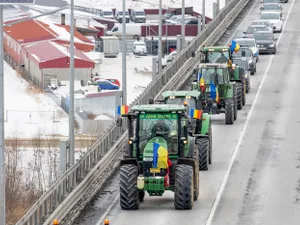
pixel 160 156
pixel 123 110
pixel 214 92
pixel 235 47
pixel 196 114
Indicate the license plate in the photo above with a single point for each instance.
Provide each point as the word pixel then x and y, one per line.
pixel 154 170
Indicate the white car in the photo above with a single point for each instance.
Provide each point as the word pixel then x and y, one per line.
pixel 139 48
pixel 274 18
pixel 250 43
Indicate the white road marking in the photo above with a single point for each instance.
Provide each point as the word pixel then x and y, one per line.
pixel 100 221
pixel 237 148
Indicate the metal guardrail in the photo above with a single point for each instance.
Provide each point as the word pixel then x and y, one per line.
pixel 95 163
pixel 94 11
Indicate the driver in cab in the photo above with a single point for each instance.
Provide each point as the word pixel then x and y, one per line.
pixel 160 128
pixel 222 58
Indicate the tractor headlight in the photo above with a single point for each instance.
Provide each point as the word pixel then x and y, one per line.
pixel 272 45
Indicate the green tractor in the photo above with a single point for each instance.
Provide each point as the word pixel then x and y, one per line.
pixel 161 156
pixel 200 128
pixel 219 93
pixel 221 55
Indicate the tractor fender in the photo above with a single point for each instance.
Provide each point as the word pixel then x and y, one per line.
pixel 191 146
pixel 229 93
pixel 205 123
pixel 130 161
pixel 201 135
pixel 186 161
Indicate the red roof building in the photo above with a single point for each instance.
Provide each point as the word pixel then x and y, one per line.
pixel 48 60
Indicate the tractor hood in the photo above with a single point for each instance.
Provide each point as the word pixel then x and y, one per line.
pixel 148 151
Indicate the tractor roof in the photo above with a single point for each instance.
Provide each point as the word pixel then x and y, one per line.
pixel 213 65
pixel 157 108
pixel 217 48
pixel 194 94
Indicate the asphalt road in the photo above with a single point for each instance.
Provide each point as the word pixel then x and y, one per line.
pixel 264 173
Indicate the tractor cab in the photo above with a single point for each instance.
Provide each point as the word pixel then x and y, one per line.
pixel 159 149
pixel 215 54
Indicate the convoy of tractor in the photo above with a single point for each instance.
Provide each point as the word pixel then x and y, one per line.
pixel 170 141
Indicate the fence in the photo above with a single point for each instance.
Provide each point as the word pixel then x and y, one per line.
pixel 30 117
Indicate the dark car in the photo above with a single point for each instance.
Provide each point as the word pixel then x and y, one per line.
pixel 244 68
pixel 259 27
pixel 247 54
pixel 266 42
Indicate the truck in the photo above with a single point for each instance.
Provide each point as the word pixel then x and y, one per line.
pixel 132 31
pixel 119 16
pixel 107 14
pixel 201 128
pixel 109 45
pixel 160 156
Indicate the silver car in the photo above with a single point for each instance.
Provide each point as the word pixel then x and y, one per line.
pixel 263 22
pixel 274 7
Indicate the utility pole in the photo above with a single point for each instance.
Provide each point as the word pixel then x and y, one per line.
pixel 203 14
pixel 71 90
pixel 124 49
pixel 2 159
pixel 160 38
pixel 183 25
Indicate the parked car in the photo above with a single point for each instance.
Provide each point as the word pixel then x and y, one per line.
pixel 249 43
pixel 246 53
pixel 273 7
pixel 104 85
pixel 138 15
pixel 242 63
pixel 114 81
pixel 253 28
pixel 263 22
pixel 119 16
pixel 274 18
pixel 139 48
pixel 266 42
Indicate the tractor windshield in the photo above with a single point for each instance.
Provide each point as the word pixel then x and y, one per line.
pixel 159 124
pixel 213 74
pixel 180 101
pixel 217 57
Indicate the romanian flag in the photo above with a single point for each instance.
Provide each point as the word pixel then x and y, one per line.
pixel 235 47
pixel 217 96
pixel 199 76
pixel 196 114
pixel 202 82
pixel 123 110
pixel 160 156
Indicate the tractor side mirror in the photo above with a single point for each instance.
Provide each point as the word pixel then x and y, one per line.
pixel 185 130
pixel 119 122
pixel 195 71
pixel 193 54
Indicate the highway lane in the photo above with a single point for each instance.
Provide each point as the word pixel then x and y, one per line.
pixel 225 138
pixel 264 184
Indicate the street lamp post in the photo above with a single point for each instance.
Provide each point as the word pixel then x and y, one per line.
pixel 124 49
pixel 183 25
pixel 160 38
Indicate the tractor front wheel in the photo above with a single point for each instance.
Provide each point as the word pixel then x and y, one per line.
pixel 129 194
pixel 210 144
pixel 203 150
pixel 235 99
pixel 184 187
pixel 240 96
pixel 229 111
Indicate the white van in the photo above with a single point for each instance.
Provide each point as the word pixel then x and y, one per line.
pixel 132 31
pixel 119 16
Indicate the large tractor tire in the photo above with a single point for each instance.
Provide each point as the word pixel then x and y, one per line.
pixel 184 187
pixel 239 96
pixel 141 195
pixel 235 91
pixel 229 111
pixel 203 150
pixel 129 194
pixel 210 144
pixel 196 174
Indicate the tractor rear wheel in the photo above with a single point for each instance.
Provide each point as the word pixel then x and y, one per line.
pixel 210 144
pixel 129 194
pixel 235 98
pixel 244 91
pixel 184 187
pixel 203 150
pixel 141 195
pixel 239 96
pixel 229 111
pixel 196 173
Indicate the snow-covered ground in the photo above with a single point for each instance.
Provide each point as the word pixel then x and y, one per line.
pixel 197 4
pixel 29 112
